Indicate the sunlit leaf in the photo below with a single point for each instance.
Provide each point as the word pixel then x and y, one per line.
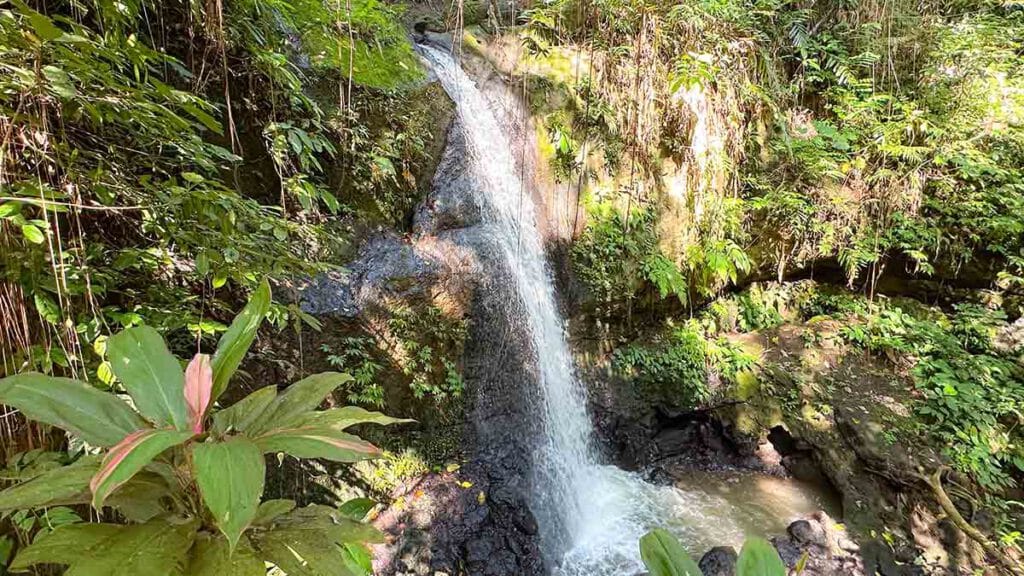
pixel 65 485
pixel 664 556
pixel 32 234
pixel 759 558
pixel 128 457
pixel 298 399
pixel 236 341
pixel 318 443
pixel 230 475
pixel 242 414
pixel 341 418
pixel 98 417
pixel 151 375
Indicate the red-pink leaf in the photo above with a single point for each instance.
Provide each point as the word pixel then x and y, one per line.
pixel 198 388
pixel 116 455
pixel 128 457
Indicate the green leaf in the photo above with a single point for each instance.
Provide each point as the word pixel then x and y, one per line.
pixel 358 559
pixel 128 457
pixel 151 375
pixel 99 418
pixel 242 414
pixel 9 209
pixel 318 443
pixel 341 418
pixel 41 25
pixel 202 264
pixel 205 119
pixel 59 82
pixel 213 556
pixel 759 558
pixel 155 548
pixel 230 477
pixel 105 373
pixel 65 485
pixel 64 545
pixel 271 509
pixel 664 556
pixel 236 341
pixel 298 399
pixel 220 278
pixel 141 498
pixel 32 234
pixel 306 542
pixel 47 308
pixel 357 508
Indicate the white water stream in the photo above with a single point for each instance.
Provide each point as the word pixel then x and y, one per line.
pixel 591 516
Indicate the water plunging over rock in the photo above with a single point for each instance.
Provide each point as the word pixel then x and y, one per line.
pixel 590 516
pixel 535 484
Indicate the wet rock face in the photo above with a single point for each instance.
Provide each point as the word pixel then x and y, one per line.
pixel 473 521
pixel 459 523
pixel 452 205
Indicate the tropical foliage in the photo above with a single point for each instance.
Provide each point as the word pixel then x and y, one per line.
pixel 970 393
pixel 665 556
pixel 159 158
pixel 869 136
pixel 186 474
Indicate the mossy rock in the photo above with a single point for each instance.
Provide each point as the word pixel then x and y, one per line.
pixel 853 410
pixel 421 113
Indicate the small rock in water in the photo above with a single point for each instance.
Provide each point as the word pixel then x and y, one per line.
pixel 719 561
pixel 805 533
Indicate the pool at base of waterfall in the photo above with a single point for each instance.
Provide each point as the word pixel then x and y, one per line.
pixel 703 509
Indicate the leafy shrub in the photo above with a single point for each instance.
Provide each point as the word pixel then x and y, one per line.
pixel 617 256
pixel 120 205
pixel 756 308
pixel 189 476
pixel 391 469
pixel 357 358
pixel 389 137
pixel 673 371
pixel 971 397
pixel 430 345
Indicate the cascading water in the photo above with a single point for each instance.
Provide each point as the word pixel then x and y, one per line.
pixel 590 516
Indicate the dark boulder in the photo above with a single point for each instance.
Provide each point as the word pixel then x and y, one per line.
pixel 719 561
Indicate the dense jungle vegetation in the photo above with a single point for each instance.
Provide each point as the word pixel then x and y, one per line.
pixel 875 146
pixel 159 161
pixel 162 161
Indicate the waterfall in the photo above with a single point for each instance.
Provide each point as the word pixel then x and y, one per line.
pixel 590 516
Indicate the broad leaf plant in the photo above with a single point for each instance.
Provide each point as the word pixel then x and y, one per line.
pixel 663 555
pixel 186 474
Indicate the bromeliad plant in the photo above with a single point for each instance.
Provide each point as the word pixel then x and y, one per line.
pixel 188 476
